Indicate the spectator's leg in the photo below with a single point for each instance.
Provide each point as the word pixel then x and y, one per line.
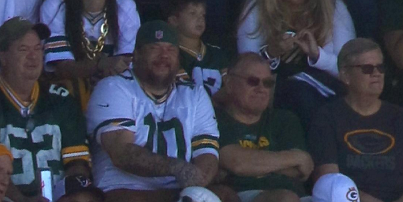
pixel 278 195
pixel 225 193
pixel 126 195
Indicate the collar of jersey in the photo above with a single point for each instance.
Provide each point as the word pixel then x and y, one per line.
pixel 160 100
pixel 24 109
pixel 198 55
pixel 150 95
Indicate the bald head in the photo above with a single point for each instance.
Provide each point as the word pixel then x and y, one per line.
pixel 244 60
pixel 249 83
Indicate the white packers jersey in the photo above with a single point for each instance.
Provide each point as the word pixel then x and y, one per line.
pixel 57 46
pixel 184 127
pixel 28 9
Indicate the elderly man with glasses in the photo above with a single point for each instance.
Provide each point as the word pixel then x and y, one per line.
pixel 360 135
pixel 261 148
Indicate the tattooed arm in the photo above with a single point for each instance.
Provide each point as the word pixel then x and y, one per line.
pixel 208 164
pixel 142 162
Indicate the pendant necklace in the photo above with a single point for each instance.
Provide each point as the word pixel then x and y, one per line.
pixel 199 55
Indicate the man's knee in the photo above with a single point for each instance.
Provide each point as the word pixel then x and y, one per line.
pixel 127 195
pixel 288 196
pixel 225 193
pixel 279 195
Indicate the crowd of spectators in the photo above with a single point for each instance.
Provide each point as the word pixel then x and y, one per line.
pixel 200 100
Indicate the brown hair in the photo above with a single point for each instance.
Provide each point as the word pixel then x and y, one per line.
pixel 174 7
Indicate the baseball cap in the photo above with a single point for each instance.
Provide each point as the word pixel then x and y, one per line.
pixel 15 28
pixel 197 194
pixel 74 184
pixel 156 31
pixel 335 187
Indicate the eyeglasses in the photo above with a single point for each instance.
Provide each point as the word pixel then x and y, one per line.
pixel 255 81
pixel 369 69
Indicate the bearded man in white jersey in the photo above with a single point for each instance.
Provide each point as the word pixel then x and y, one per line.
pixel 152 136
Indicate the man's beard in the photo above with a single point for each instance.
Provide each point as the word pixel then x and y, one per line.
pixel 147 75
pixel 160 81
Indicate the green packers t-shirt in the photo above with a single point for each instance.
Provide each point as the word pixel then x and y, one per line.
pixel 277 130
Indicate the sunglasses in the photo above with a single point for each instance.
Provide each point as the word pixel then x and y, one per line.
pixel 369 69
pixel 254 81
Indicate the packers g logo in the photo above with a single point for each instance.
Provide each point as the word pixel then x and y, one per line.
pixel 370 141
pixel 352 195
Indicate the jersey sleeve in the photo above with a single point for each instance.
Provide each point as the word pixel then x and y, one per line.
pixel 343 31
pixel 57 46
pixel 6 10
pixel 322 141
pixel 205 132
pixel 129 23
pixel 247 40
pixel 110 108
pixel 72 127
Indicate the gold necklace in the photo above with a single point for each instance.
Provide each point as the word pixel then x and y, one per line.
pixel 92 52
pixel 199 55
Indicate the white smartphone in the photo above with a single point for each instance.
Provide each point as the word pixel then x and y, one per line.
pixel 46 183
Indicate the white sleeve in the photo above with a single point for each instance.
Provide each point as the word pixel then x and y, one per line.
pixel 129 23
pixel 56 47
pixel 7 8
pixel 205 132
pixel 343 31
pixel 110 108
pixel 246 40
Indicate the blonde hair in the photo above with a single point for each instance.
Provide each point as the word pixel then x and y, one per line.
pixel 275 18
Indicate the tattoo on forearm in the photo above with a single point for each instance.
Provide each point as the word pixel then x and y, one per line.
pixel 143 162
pixel 140 161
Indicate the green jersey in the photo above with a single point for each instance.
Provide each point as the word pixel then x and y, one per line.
pixel 205 71
pixel 277 130
pixel 48 133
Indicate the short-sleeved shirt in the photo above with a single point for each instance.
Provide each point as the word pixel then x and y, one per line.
pixel 57 47
pixel 277 130
pixel 391 15
pixel 206 72
pixel 183 127
pixel 368 149
pixel 28 9
pixel 51 135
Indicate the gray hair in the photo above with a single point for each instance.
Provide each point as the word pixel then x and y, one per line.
pixel 354 48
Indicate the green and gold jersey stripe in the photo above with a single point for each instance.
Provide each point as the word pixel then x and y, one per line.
pixel 23 107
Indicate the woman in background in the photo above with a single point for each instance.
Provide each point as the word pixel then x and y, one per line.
pixel 90 39
pixel 301 40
